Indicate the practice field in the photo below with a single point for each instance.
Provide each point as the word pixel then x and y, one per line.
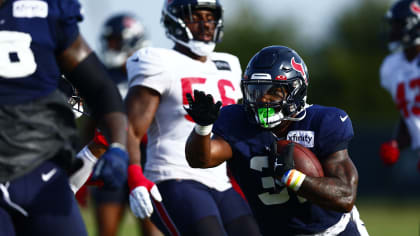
pixel 383 217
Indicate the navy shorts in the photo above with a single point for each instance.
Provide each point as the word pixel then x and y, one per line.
pixel 185 202
pixel 104 196
pixel 40 203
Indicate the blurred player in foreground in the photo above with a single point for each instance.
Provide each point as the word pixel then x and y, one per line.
pixel 122 34
pixel 192 201
pixel 40 41
pixel 400 76
pixel 284 200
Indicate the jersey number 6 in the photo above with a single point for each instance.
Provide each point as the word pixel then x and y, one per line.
pixel 187 85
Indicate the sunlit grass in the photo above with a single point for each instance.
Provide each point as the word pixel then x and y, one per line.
pixel 390 217
pixel 383 217
pixel 129 225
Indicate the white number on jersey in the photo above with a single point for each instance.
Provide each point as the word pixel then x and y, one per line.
pixel 16 57
pixel 258 163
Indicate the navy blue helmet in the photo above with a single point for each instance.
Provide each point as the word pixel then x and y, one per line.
pixel 175 11
pixel 275 86
pixel 122 34
pixel 404 22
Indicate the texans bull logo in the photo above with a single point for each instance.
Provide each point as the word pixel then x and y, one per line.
pixel 299 67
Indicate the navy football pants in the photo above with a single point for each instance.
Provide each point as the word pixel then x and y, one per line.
pixel 191 208
pixel 40 203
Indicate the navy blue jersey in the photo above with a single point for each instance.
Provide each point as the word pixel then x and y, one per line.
pixel 32 34
pixel 324 131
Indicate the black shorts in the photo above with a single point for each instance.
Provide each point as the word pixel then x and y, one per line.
pixel 34 132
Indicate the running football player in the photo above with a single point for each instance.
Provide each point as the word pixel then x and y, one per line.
pixel 40 41
pixel 400 73
pixel 284 200
pixel 194 201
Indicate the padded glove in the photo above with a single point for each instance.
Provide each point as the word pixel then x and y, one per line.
pixel 112 167
pixel 281 162
pixel 389 152
pixel 141 191
pixel 202 108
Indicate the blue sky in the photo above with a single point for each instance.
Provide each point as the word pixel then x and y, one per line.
pixel 314 15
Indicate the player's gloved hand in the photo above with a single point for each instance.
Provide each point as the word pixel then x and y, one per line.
pixel 389 152
pixel 202 108
pixel 284 170
pixel 281 161
pixel 112 167
pixel 140 191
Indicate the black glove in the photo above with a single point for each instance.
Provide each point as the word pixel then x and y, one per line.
pixel 283 161
pixel 202 108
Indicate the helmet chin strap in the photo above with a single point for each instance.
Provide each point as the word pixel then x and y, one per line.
pixel 299 117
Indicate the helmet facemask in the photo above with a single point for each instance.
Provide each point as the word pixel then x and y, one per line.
pixel 177 30
pixel 273 101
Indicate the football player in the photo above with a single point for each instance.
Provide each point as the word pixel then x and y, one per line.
pixel 284 200
pixel 194 201
pixel 399 74
pixel 40 41
pixel 122 34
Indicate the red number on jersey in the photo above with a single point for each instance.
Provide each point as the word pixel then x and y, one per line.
pixel 187 88
pixel 401 101
pixel 187 84
pixel 221 85
pixel 415 84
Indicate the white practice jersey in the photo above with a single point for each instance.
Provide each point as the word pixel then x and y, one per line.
pixel 172 75
pixel 402 80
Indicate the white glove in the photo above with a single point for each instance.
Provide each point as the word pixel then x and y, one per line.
pixel 79 178
pixel 140 202
pixel 140 191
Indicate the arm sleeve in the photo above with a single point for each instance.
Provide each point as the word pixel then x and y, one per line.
pixel 387 74
pixel 67 29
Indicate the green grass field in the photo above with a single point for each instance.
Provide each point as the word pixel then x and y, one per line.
pixel 383 217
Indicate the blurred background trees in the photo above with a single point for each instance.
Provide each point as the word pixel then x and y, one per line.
pixel 344 72
pixel 343 68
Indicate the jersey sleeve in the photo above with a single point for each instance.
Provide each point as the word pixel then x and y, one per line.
pixel 236 68
pixel 387 73
pixel 233 125
pixel 335 132
pixel 222 126
pixel 69 15
pixel 146 67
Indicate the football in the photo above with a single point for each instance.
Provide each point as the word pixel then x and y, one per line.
pixel 305 159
